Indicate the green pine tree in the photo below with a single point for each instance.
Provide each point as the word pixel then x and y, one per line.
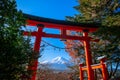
pixel 15 50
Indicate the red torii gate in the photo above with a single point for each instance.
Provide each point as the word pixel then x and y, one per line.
pixel 42 23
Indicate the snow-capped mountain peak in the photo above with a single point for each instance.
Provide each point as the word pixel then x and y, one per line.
pixel 59 60
pixel 44 62
pixel 58 63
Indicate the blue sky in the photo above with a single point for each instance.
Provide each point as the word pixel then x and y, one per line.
pixel 56 9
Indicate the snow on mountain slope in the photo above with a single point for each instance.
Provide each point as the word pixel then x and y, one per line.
pixel 60 60
pixel 58 63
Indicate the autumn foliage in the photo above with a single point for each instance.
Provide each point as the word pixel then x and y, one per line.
pixel 45 73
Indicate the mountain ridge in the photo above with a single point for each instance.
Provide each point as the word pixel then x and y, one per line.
pixel 58 63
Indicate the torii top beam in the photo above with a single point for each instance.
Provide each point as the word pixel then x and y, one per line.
pixel 60 24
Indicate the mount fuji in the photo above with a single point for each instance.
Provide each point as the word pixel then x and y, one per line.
pixel 58 63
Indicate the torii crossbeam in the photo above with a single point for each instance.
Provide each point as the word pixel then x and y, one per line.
pixel 63 26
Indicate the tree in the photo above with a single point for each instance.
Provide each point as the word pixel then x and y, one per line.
pixel 46 73
pixel 15 50
pixel 107 13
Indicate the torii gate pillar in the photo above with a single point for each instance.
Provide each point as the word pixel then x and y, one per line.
pixel 88 55
pixel 36 50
